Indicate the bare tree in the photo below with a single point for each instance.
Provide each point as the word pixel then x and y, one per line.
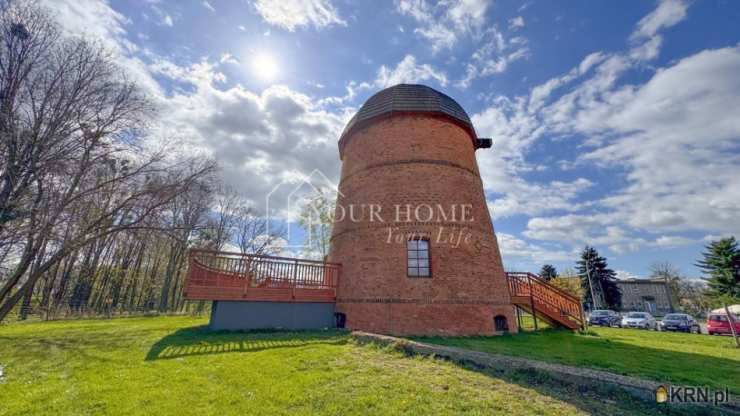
pixel 317 217
pixel 253 233
pixel 94 220
pixel 72 173
pixel 671 275
pixel 187 214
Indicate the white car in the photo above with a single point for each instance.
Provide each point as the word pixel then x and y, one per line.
pixel 641 320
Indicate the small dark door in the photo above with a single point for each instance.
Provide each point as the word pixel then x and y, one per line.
pixel 500 323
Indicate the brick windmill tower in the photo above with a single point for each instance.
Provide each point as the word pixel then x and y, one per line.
pixel 412 229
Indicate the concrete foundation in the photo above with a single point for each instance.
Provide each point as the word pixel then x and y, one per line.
pixel 238 315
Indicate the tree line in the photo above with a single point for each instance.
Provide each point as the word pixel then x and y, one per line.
pixel 96 216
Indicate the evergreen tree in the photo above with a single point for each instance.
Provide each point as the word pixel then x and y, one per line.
pixel 721 263
pixel 548 272
pixel 603 280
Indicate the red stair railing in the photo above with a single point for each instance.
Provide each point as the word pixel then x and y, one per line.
pixel 539 292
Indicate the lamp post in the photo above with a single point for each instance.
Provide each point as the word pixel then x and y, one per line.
pixel 590 285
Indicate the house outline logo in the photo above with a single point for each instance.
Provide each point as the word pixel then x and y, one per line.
pixel 661 394
pixel 318 183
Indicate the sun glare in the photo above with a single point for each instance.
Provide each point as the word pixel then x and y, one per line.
pixel 264 66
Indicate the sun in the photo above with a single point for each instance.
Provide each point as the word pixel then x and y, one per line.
pixel 265 66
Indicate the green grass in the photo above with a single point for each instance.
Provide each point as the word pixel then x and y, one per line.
pixel 527 323
pixel 688 359
pixel 171 365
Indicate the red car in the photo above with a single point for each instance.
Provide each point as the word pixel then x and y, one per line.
pixel 719 324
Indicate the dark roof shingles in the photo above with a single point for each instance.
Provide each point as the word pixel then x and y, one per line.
pixel 409 98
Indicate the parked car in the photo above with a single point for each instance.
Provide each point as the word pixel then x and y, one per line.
pixel 642 320
pixel 680 322
pixel 604 317
pixel 718 323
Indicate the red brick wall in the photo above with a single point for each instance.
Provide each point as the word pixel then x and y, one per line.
pixel 416 160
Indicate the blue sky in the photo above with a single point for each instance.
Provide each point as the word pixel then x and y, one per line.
pixel 615 124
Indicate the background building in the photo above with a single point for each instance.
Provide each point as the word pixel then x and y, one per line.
pixel 648 295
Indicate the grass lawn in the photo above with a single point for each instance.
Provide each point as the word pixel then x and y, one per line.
pixel 171 365
pixel 688 359
pixel 527 323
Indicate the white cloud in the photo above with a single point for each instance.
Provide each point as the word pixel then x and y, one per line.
pixel 526 198
pixel 714 237
pixel 493 56
pixel 444 23
pixel 520 255
pixel 352 88
pixel 408 71
pixel 439 36
pixel 290 14
pixel 672 135
pixel 228 58
pixel 514 131
pixel 98 20
pixel 516 23
pixel 167 20
pixel 676 136
pixel 577 229
pixel 541 93
pixel 673 139
pixel 258 139
pixel 667 14
pixel 672 241
pixel 594 229
pixel 624 275
pixel 208 6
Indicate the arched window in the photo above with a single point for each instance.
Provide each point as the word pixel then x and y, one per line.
pixel 418 260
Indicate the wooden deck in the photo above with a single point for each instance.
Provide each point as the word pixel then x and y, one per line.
pixel 216 275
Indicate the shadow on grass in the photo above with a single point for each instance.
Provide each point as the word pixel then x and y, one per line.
pixel 199 340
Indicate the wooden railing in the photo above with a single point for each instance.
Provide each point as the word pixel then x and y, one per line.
pixel 541 293
pixel 215 275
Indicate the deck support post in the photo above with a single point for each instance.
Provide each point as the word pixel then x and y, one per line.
pixel 518 316
pixel 531 302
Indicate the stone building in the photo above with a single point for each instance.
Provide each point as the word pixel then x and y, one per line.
pixel 646 295
pixel 413 232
